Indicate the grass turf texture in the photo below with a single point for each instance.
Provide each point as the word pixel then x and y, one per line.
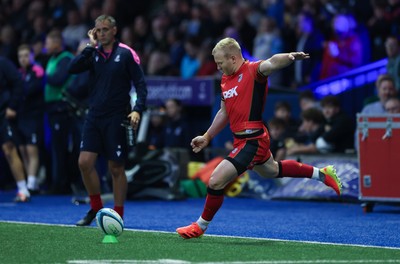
pixel 30 243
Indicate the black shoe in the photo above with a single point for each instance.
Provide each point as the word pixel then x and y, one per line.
pixel 88 219
pixel 34 191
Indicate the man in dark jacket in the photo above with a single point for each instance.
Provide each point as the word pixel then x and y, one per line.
pixel 113 68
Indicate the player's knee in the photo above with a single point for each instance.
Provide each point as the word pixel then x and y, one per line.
pixel 116 170
pixel 213 184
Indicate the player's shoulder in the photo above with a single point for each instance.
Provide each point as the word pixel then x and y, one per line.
pixel 129 52
pixel 253 64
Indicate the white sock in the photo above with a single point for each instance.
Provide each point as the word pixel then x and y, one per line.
pixel 202 223
pixel 22 187
pixel 316 175
pixel 32 182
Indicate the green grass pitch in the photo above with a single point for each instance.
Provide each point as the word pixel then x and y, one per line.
pixel 34 243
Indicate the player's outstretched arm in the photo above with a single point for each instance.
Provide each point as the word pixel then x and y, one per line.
pixel 281 60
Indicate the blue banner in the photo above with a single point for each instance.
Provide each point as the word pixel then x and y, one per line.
pixel 193 92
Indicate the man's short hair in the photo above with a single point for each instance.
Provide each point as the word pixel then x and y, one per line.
pixel 307 94
pixel 313 114
pixel 24 47
pixel 283 104
pixel 330 100
pixel 277 122
pixel 108 18
pixel 382 78
pixel 56 35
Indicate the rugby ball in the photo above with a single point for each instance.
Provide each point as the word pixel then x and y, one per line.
pixel 110 222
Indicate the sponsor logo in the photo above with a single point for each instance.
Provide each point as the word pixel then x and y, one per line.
pixel 230 93
pixel 118 151
pixel 117 59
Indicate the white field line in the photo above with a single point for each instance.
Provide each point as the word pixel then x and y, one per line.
pixel 176 261
pixel 241 237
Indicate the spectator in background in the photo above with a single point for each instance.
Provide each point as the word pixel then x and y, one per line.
pixel 268 40
pixel 127 36
pixel 57 80
pixel 140 34
pixel 343 51
pixel 311 128
pixel 176 49
pixel 207 64
pixel 379 29
pixel 267 43
pixel 77 97
pixel 155 133
pixel 10 95
pixel 283 110
pixel 338 129
pixel 8 43
pixel 158 34
pixel 276 129
pixel 385 88
pixel 219 18
pixel 310 40
pixel 393 15
pixel 392 105
pixel 177 133
pixel 158 64
pixel 31 113
pixel 196 25
pixel 392 47
pixel 190 63
pixel 246 32
pixel 307 100
pixel 75 30
pixel 36 21
pixel 39 51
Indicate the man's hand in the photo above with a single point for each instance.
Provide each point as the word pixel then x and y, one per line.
pixel 198 143
pixel 92 37
pixel 298 55
pixel 10 113
pixel 134 118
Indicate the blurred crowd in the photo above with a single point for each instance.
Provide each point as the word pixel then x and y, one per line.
pixel 175 38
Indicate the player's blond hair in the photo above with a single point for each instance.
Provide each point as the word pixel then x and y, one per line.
pixel 228 46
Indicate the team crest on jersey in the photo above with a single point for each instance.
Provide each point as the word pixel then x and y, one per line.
pixel 97 58
pixel 240 77
pixel 117 59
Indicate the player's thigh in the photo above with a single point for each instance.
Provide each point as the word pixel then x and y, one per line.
pixel 29 128
pixel 92 139
pixel 268 169
pixel 115 143
pixel 223 174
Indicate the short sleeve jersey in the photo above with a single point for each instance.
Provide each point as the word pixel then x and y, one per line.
pixel 244 94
